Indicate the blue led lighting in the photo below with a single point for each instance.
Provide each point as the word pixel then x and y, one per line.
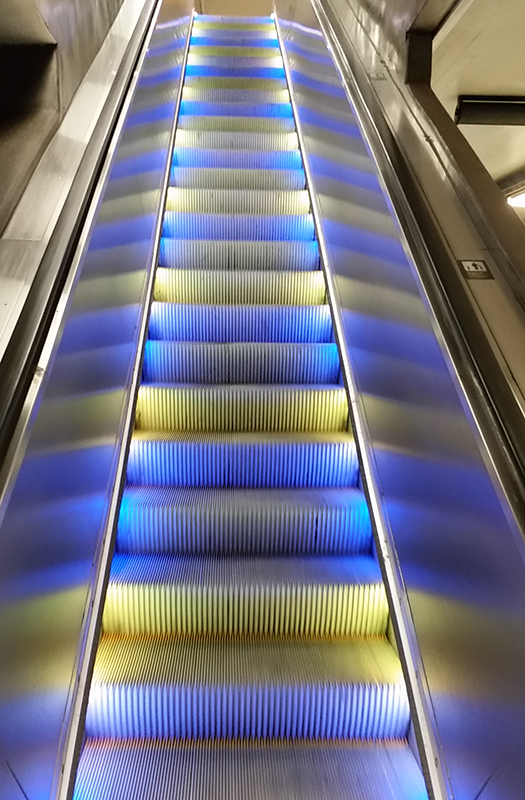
pixel 318 86
pixel 347 175
pixel 201 108
pixel 235 72
pixel 212 41
pixel 323 120
pixel 308 55
pixel 244 159
pixel 357 240
pixel 223 227
pixel 148 115
pixel 145 162
pixel 166 76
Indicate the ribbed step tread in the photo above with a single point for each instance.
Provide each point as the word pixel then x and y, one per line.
pixel 237 159
pixel 182 225
pixel 281 125
pixel 233 288
pixel 240 84
pixel 238 178
pixel 218 22
pixel 243 460
pixel 227 688
pixel 241 409
pixel 237 771
pixel 269 256
pixel 203 596
pixel 203 362
pixel 231 39
pixel 207 323
pixel 236 140
pixel 224 51
pixel 238 109
pixel 239 521
pixel 242 201
pixel 235 96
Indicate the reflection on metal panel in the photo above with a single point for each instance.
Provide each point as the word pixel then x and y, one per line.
pixel 51 527
pixel 461 562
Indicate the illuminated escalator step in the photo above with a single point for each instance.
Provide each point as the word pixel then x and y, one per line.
pixel 213 596
pixel 237 159
pixel 222 51
pixel 234 39
pixel 241 409
pixel 196 362
pixel 187 225
pixel 236 140
pixel 240 84
pixel 239 124
pixel 247 35
pixel 270 256
pixel 244 522
pixel 227 688
pixel 238 178
pixel 140 770
pixel 241 202
pixel 232 95
pixel 214 21
pixel 208 323
pixel 269 460
pixel 232 63
pixel 276 72
pixel 247 288
pixel 236 109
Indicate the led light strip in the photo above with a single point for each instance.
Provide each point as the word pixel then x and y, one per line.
pixel 430 752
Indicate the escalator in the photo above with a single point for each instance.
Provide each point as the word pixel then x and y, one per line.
pixel 246 649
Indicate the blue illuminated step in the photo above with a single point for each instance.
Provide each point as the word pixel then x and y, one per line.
pixel 265 460
pixel 234 39
pixel 208 323
pixel 196 771
pixel 293 227
pixel 239 109
pixel 234 71
pixel 165 687
pixel 161 519
pixel 207 362
pixel 237 159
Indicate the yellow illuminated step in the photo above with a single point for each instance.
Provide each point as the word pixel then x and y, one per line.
pixel 240 201
pixel 246 408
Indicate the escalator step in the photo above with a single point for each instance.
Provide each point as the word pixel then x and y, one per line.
pixel 205 323
pixel 236 140
pixel 183 225
pixel 283 180
pixel 200 202
pixel 239 288
pixel 269 256
pixel 239 108
pixel 167 687
pixel 237 83
pixel 238 770
pixel 224 51
pixel 280 125
pixel 232 95
pixel 237 159
pixel 242 409
pixel 243 460
pixel 244 522
pixel 207 362
pixel 232 63
pixel 203 596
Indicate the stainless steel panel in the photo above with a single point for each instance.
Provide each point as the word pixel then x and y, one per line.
pixel 53 519
pixel 461 555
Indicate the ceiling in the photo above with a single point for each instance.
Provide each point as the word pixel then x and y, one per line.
pixel 482 51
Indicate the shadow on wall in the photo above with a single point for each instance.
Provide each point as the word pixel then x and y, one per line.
pixel 46 48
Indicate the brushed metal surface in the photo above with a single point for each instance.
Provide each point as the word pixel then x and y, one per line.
pixel 461 556
pixel 54 515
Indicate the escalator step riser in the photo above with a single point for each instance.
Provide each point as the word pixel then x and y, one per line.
pixel 228 226
pixel 239 109
pixel 201 323
pixel 159 520
pixel 192 362
pixel 224 51
pixel 299 712
pixel 242 464
pixel 283 180
pixel 279 125
pixel 275 73
pixel 236 140
pixel 241 770
pixel 245 256
pixel 237 159
pixel 237 83
pixel 240 288
pixel 231 610
pixel 242 202
pixel 239 409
